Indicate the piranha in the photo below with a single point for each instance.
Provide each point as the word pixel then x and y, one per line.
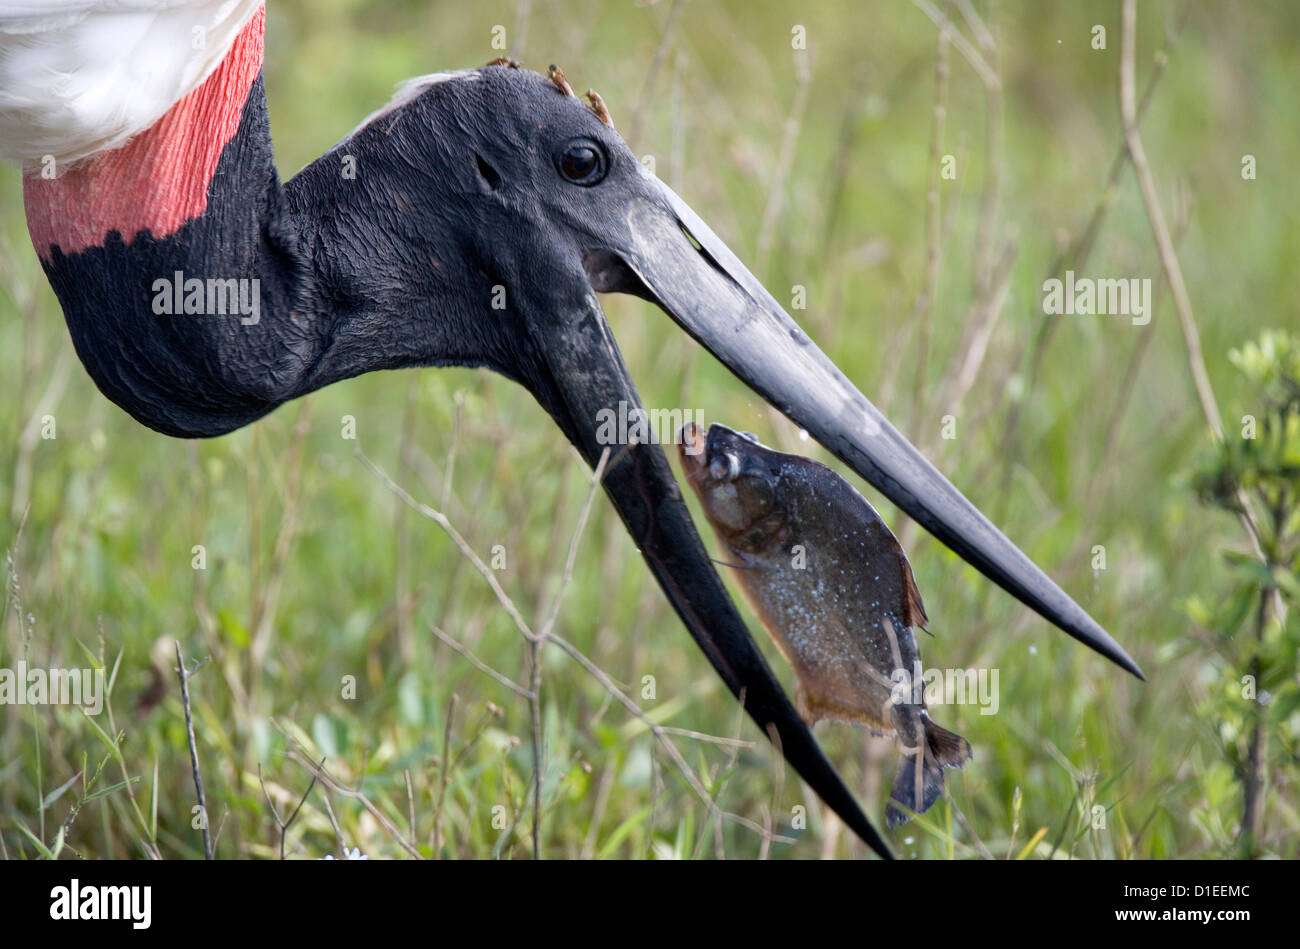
pixel 833 587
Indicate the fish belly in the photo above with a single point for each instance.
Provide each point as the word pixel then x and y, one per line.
pixel 844 662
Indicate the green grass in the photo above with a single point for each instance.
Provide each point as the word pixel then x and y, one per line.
pixel 315 571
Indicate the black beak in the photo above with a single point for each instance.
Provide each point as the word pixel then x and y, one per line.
pixel 578 373
pixel 692 275
pixel 652 245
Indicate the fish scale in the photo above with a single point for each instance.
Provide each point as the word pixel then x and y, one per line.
pixel 833 588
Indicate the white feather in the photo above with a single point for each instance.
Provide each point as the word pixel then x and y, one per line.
pixel 410 89
pixel 82 76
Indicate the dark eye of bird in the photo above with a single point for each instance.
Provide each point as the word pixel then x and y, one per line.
pixel 582 163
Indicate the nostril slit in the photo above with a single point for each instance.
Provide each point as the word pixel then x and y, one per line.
pixel 487 173
pixel 703 251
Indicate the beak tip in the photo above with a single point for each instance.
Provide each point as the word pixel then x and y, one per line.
pixel 1094 637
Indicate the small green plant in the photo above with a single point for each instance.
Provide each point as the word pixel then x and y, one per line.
pixel 1255 474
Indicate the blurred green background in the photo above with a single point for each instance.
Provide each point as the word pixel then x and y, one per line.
pixel 316 571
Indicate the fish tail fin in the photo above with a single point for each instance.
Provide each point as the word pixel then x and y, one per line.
pixel 916 793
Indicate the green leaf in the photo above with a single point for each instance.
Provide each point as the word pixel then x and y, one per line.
pixel 90 656
pixel 325 733
pixel 1284 705
pixel 235 631
pixel 36 841
pixel 109 790
pixel 113 677
pixel 1033 842
pixel 620 832
pixel 58 792
pixel 153 805
pixel 1237 608
pixel 103 736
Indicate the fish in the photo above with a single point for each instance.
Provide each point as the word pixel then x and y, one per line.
pixel 834 589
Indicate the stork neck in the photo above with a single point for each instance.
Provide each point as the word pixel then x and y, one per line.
pixel 159 179
pixel 176 264
pixel 156 250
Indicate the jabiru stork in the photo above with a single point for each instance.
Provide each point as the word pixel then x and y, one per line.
pixel 147 158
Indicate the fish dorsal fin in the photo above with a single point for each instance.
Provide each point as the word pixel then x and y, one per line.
pixel 913 608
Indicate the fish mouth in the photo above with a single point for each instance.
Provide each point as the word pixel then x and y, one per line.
pixel 693 442
pixel 699 447
pixel 693 445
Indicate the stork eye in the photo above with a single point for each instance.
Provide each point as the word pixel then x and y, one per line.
pixel 582 163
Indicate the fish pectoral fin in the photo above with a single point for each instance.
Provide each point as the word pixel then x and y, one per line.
pixel 802 706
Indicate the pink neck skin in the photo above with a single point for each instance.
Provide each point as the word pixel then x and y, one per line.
pixel 158 180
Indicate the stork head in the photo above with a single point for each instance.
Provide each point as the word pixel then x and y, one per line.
pixel 548 207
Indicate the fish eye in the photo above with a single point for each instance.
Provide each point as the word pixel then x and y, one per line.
pixel 724 467
pixel 581 162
